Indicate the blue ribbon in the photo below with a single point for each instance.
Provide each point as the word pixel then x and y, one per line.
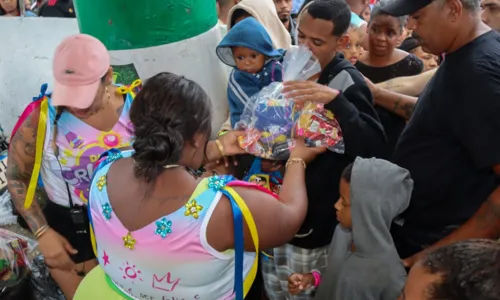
pixel 238 248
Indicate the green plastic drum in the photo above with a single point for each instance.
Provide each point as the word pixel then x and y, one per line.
pixel 133 24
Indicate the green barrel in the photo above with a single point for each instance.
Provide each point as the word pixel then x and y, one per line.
pixel 133 24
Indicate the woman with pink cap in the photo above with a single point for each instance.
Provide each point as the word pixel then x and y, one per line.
pixel 85 116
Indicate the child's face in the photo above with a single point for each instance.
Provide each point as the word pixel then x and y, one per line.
pixel 343 205
pixel 430 60
pixel 352 50
pixel 383 34
pixel 248 60
pixel 366 14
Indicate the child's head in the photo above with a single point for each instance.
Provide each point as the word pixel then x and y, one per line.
pixel 352 50
pixel 383 32
pixel 248 60
pixel 343 205
pixel 372 192
pixel 412 45
pixel 365 15
pixel 247 46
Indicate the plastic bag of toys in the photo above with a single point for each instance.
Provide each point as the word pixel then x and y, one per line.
pixel 14 263
pixel 319 127
pixel 268 118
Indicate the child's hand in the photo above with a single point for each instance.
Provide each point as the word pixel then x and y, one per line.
pixel 300 282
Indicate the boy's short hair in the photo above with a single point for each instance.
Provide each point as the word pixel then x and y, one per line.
pixel 238 13
pixel 469 270
pixel 347 173
pixel 335 11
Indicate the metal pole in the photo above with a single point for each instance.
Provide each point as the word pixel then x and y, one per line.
pixel 22 8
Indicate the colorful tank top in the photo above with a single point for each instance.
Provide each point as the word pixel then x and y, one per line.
pixel 80 146
pixel 169 258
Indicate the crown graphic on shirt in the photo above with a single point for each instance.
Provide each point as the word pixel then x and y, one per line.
pixel 165 283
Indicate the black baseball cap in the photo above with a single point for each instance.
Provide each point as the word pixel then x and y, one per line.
pixel 400 8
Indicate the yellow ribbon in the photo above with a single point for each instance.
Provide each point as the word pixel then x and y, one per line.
pixel 129 89
pixel 40 139
pixel 255 237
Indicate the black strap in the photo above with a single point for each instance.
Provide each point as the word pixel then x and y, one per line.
pixel 68 190
pixel 56 154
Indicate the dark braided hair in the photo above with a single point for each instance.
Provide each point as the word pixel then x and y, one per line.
pixel 166 113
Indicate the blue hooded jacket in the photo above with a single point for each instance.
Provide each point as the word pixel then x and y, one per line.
pixel 248 33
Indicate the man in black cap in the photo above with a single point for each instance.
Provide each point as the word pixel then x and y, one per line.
pixel 451 145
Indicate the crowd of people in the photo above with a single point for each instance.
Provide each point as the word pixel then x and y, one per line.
pixel 410 210
pixel 38 8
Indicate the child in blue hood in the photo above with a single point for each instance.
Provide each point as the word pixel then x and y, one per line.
pixel 248 48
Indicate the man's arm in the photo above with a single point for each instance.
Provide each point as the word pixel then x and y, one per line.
pixel 399 104
pixel 409 85
pixel 20 164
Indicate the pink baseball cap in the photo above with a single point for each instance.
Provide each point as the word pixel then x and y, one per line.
pixel 80 61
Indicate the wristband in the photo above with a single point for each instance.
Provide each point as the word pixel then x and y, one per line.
pixel 295 160
pixel 317 278
pixel 222 132
pixel 221 147
pixel 41 231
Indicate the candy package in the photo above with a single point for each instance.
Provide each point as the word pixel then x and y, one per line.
pixel 14 262
pixel 319 127
pixel 268 118
pixel 271 121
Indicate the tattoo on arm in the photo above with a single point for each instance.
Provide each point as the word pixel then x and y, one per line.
pixel 404 109
pixel 396 105
pixel 390 85
pixel 407 109
pixel 21 161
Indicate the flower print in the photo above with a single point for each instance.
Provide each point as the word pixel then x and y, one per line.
pixel 101 182
pixel 192 209
pixel 163 227
pixel 113 155
pixel 106 211
pixel 218 182
pixel 129 241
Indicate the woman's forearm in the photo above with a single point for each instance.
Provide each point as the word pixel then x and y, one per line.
pixel 293 194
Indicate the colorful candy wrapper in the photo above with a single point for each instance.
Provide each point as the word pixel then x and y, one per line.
pixel 319 127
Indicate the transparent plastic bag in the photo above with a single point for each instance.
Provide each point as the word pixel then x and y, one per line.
pixel 14 263
pixel 23 270
pixel 319 127
pixel 268 118
pixel 42 284
pixel 7 216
